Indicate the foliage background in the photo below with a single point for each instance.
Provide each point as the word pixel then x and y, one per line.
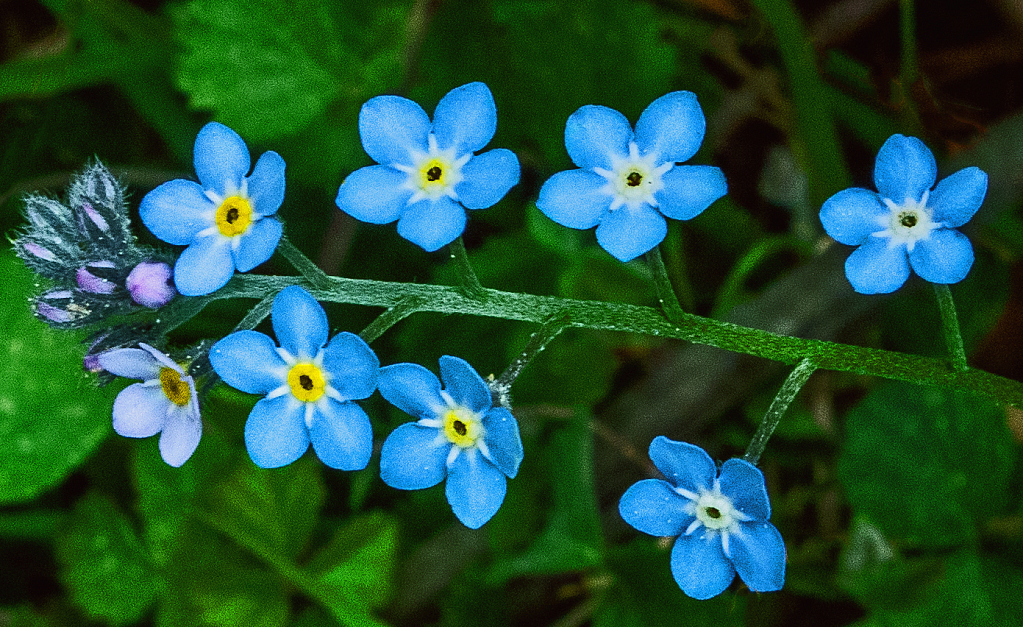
pixel 899 505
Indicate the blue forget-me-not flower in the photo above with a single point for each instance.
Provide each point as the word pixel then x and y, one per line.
pixel 720 520
pixel 165 402
pixel 459 435
pixel 309 386
pixel 224 218
pixel 906 224
pixel 429 173
pixel 628 182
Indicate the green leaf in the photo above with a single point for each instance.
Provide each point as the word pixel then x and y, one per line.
pixel 104 564
pixel 51 416
pixel 358 564
pixel 937 451
pixel 266 68
pixel 572 538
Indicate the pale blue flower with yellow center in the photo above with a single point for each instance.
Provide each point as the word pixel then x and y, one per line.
pixel 165 402
pixel 429 172
pixel 905 223
pixel 225 218
pixel 719 520
pixel 629 181
pixel 309 386
pixel 459 435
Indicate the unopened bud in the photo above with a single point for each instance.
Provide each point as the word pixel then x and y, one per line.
pixel 89 282
pixel 149 284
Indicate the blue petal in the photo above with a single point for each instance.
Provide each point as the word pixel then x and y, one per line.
pixel 266 184
pixel 352 365
pixel 652 506
pixel 275 433
pixel 475 489
pixel 221 159
pixel 341 435
pixel 414 457
pixel 133 363
pixel 851 215
pixel 628 233
pixel 413 389
pixel 431 224
pixel 874 268
pixel 392 128
pixel 957 197
pixel 248 361
pixel 140 410
pixel 299 322
pixel 487 178
pixel 743 482
pixel 180 437
pixel 758 553
pixel 374 194
pixel 594 134
pixel 465 119
pixel 689 189
pixel 945 257
pixel 685 465
pixel 672 127
pixel 905 169
pixel 257 244
pixel 464 385
pixel 574 198
pixel 504 444
pixel 176 211
pixel 699 565
pixel 204 267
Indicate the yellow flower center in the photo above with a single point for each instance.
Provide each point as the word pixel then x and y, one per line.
pixel 462 427
pixel 306 382
pixel 173 387
pixel 432 175
pixel 234 216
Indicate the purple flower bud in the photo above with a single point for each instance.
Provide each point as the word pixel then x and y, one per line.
pixel 94 215
pixel 91 360
pixel 150 284
pixel 92 283
pixel 39 251
pixel 53 314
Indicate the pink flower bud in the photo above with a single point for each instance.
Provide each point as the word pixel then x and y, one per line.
pixel 89 282
pixel 150 284
pixel 39 251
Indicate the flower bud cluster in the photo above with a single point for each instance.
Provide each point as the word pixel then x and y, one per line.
pixel 87 249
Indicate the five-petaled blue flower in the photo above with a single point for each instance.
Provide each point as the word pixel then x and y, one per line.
pixel 628 182
pixel 906 223
pixel 309 385
pixel 428 175
pixel 223 219
pixel 720 520
pixel 165 402
pixel 459 435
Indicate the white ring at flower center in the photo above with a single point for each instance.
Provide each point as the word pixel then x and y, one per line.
pixel 434 173
pixel 907 223
pixel 633 180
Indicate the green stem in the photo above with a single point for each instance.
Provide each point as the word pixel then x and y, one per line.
pixel 256 315
pixel 537 342
pixel 471 286
pixel 665 292
pixel 303 264
pixel 781 402
pixel 644 320
pixel 391 316
pixel 950 327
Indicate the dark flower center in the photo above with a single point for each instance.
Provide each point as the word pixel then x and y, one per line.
pixel 232 215
pixel 305 382
pixel 713 512
pixel 459 427
pixel 634 179
pixel 433 174
pixel 908 220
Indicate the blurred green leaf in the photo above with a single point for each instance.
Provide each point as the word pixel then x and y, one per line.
pixel 550 234
pixel 572 538
pixel 358 564
pixel 51 415
pixel 105 566
pixel 266 68
pixel 915 459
